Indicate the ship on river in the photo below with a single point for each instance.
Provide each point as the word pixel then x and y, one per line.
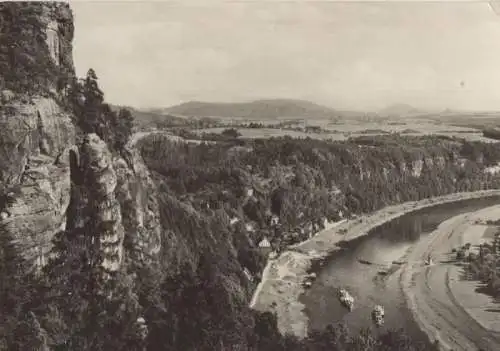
pixel 346 299
pixel 378 314
pixel 428 261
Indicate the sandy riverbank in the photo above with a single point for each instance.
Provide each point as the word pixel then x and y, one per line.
pixel 281 285
pixel 445 307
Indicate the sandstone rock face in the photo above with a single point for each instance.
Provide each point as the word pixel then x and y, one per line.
pixel 53 41
pixel 38 211
pixel 37 127
pixel 53 184
pixel 37 140
pixel 140 209
pixel 59 31
pixel 104 210
pixel 35 133
pixel 117 199
pixel 440 162
pixel 417 168
pixel 34 137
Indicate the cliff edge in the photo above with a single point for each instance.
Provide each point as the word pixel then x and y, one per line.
pixel 54 177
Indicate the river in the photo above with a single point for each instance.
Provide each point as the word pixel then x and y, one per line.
pixel 384 244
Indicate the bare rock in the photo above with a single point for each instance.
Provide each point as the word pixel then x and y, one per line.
pixel 38 210
pixel 140 210
pixel 100 181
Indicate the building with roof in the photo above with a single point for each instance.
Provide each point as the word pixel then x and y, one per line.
pixel 265 246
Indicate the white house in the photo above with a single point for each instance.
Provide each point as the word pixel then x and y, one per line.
pixel 264 243
pixel 265 246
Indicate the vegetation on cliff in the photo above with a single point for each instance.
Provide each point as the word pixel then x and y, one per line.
pixel 94 115
pixel 71 307
pixel 234 192
pixel 304 182
pixel 25 63
pixel 196 297
pixel 216 202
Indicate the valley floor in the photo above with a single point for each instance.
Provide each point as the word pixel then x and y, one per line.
pixel 281 285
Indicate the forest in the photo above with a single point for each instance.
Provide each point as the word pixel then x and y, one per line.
pixel 196 296
pixel 217 201
pixel 304 182
pixel 235 188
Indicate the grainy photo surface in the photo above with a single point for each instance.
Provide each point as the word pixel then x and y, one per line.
pixel 250 175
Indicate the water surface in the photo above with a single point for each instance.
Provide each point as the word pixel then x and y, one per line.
pixel 380 247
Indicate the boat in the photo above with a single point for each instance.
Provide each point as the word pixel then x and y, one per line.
pixel 365 262
pixel 308 280
pixel 378 315
pixel 428 261
pixel 346 299
pixel 307 284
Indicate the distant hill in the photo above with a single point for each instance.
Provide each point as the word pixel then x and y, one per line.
pixel 259 109
pixel 147 119
pixel 400 110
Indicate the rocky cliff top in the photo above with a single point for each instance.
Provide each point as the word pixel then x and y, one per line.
pixel 35 47
pixel 54 182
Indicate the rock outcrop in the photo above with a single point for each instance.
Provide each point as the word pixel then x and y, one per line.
pixel 49 183
pixel 34 139
pixel 35 134
pixel 103 209
pixel 140 210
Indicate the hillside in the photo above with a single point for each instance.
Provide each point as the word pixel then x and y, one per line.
pixel 259 109
pixel 152 119
pixel 109 246
pixel 284 189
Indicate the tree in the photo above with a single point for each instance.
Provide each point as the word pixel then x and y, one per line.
pixel 18 287
pixel 231 133
pixel 95 116
pixel 266 328
pixel 92 110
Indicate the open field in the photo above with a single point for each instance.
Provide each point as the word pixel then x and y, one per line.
pixel 342 131
pixel 334 126
pixel 253 133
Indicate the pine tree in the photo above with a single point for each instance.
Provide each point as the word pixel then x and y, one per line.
pixel 94 99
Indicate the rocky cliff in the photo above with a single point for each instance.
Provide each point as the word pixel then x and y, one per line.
pixel 49 181
pixel 56 179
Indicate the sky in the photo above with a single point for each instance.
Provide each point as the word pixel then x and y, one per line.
pixel 346 55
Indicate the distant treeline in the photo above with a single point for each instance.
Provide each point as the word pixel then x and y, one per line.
pixel 492 133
